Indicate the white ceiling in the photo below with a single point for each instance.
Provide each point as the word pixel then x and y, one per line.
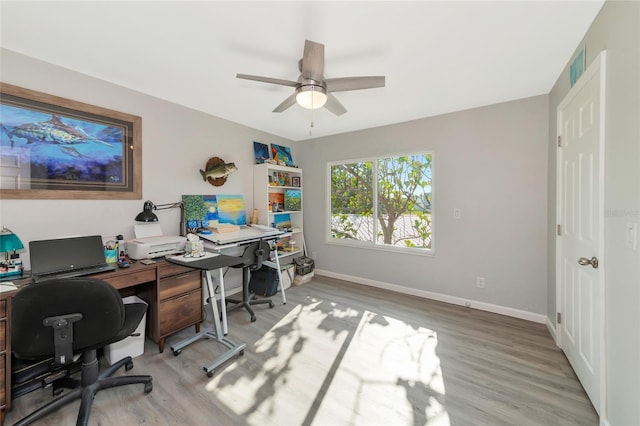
pixel 437 57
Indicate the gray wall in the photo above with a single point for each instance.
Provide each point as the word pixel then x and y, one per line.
pixel 490 162
pixel 176 143
pixel 615 29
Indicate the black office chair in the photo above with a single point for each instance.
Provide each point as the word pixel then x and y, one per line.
pixel 68 316
pixel 253 256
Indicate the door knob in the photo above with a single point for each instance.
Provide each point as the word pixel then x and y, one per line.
pixel 593 262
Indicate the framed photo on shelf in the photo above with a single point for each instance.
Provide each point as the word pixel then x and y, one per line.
pixel 295 181
pixel 56 148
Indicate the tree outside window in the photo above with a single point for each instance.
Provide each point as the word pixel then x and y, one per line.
pixel 385 201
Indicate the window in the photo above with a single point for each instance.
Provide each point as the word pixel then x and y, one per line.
pixel 383 202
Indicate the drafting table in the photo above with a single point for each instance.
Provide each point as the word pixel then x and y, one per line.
pixel 220 241
pixel 208 263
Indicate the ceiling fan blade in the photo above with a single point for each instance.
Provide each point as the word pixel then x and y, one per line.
pixel 312 61
pixel 334 105
pixel 286 103
pixel 268 80
pixel 354 83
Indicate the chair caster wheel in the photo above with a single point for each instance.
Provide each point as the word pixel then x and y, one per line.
pixel 178 352
pixel 128 366
pixel 210 373
pixel 57 392
pixel 271 305
pixel 148 387
pixel 253 319
pixel 241 353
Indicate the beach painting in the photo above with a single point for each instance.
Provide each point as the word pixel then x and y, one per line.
pixel 231 209
pixel 282 221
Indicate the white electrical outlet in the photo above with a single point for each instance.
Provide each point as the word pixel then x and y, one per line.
pixel 480 282
pixel 457 213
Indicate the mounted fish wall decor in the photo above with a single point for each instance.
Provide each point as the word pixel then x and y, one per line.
pixel 216 171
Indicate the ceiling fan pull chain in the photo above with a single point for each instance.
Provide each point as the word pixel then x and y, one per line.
pixel 311 128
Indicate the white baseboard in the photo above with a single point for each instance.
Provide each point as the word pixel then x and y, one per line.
pixel 516 313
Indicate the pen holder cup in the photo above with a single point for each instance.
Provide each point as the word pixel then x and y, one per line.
pixel 111 256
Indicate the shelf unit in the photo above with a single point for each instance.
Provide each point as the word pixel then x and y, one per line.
pixel 272 182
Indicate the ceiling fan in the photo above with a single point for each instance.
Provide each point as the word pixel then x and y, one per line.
pixel 312 89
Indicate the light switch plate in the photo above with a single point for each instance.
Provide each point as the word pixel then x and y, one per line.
pixel 632 235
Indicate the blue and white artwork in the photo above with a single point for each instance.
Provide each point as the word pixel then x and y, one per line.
pixel 261 152
pixel 64 148
pixel 577 67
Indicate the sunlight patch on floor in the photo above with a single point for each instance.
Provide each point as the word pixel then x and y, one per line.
pixel 291 368
pixel 385 359
pixel 368 367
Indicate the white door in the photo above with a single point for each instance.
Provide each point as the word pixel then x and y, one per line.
pixel 581 219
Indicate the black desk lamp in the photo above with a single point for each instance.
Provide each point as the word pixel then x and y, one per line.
pixel 147 214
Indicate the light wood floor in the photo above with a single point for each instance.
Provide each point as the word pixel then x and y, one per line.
pixel 340 354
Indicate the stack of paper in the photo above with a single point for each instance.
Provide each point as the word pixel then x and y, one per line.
pixel 224 227
pixel 7 286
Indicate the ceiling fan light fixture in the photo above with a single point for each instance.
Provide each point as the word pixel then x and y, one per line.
pixel 311 96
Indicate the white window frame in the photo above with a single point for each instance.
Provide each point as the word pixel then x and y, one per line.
pixel 372 244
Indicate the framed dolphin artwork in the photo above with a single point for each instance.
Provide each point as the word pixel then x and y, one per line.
pixel 56 148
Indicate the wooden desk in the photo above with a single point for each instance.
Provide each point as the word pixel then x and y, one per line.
pixel 173 292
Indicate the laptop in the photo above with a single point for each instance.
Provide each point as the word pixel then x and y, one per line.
pixel 67 257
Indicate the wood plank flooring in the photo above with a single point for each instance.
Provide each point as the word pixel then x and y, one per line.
pixel 344 354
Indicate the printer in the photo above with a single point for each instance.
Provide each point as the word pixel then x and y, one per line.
pixel 150 242
pixel 150 247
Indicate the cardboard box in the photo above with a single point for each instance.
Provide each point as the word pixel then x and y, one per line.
pixel 133 345
pixel 301 279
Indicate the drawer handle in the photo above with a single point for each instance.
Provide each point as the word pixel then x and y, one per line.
pixel 179 277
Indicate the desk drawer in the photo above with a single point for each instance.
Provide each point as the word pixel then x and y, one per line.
pixel 167 269
pixel 3 335
pixel 179 284
pixel 180 312
pixel 137 277
pixel 3 390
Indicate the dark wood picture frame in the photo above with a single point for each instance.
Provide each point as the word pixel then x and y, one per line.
pixel 295 181
pixel 67 149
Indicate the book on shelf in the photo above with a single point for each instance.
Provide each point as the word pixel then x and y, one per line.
pixel 292 200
